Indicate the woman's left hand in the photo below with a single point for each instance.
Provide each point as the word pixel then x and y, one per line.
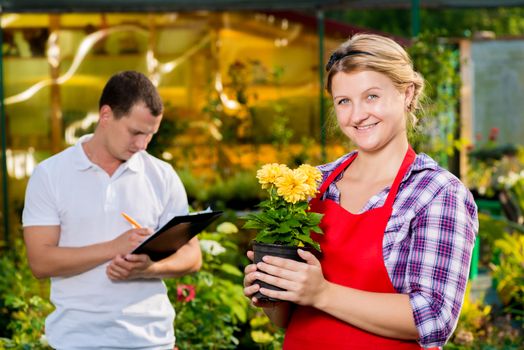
pixel 303 282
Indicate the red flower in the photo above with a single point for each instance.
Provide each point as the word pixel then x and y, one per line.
pixel 493 134
pixel 185 292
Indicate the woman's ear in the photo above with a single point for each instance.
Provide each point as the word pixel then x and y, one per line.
pixel 408 96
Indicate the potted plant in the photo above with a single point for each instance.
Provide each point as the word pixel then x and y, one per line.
pixel 284 222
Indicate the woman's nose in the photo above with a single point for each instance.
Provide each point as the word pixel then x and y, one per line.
pixel 358 114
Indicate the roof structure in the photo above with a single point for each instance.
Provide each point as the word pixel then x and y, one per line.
pixel 17 6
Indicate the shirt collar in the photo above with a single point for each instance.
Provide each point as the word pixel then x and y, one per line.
pixel 422 162
pixel 82 162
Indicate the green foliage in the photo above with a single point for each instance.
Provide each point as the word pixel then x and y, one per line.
pixel 210 319
pixel 263 333
pixel 23 302
pixel 490 229
pixel 509 273
pixel 481 328
pixel 458 22
pixel 170 127
pixel 437 61
pixel 281 222
pixel 238 191
pixel 494 166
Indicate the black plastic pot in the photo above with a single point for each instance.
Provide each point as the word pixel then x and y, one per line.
pixel 263 249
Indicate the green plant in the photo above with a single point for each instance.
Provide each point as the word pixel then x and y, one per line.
pixel 482 327
pixel 23 302
pixel 509 273
pixel 437 60
pixel 263 333
pixel 284 217
pixel 210 304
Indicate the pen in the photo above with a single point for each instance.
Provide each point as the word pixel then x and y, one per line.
pixel 131 220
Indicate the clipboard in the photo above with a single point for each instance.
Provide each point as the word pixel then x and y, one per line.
pixel 173 235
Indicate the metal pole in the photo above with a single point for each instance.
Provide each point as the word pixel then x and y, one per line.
pixel 320 28
pixel 415 18
pixel 3 136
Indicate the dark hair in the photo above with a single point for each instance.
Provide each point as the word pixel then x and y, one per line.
pixel 125 89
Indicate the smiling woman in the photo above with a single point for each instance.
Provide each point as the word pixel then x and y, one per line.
pixel 398 229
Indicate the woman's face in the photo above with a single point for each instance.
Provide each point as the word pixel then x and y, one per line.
pixel 370 110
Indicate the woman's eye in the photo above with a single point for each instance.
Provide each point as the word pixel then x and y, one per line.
pixel 342 101
pixel 372 97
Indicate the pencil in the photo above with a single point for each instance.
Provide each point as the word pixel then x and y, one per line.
pixel 131 220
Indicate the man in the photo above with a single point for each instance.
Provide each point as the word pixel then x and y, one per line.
pixel 106 298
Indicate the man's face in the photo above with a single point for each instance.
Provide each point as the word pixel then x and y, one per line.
pixel 130 133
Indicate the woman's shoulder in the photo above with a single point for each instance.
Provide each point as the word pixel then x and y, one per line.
pixel 426 169
pixel 426 178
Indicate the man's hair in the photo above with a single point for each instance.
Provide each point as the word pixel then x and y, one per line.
pixel 126 89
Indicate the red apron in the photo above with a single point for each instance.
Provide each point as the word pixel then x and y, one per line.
pixel 352 257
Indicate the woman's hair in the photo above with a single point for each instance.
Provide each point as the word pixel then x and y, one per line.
pixel 380 54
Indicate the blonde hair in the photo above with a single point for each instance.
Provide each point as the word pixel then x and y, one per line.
pixel 382 55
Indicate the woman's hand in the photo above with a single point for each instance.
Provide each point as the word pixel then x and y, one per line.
pixel 250 289
pixel 303 282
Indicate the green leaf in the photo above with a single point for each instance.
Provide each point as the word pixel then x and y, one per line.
pixel 283 228
pixel 230 269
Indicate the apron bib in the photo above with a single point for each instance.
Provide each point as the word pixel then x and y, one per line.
pixel 352 257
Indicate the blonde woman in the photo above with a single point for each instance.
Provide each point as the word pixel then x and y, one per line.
pixel 398 229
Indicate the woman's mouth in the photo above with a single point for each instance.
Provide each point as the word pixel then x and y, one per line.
pixel 365 127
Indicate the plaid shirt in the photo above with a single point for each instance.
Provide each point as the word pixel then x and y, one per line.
pixel 427 243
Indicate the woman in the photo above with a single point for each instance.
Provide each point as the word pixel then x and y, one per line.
pixel 398 229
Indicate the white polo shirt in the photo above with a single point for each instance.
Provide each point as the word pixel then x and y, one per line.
pixel 93 312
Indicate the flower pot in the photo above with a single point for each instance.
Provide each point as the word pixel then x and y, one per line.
pixel 281 251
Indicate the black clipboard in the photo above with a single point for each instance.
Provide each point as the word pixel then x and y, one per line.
pixel 173 235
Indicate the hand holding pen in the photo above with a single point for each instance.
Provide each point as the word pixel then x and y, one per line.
pixel 130 239
pixel 128 266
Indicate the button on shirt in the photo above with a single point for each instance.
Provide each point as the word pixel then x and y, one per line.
pixel 92 311
pixel 427 244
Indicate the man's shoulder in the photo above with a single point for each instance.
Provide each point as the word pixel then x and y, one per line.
pixel 155 166
pixel 58 160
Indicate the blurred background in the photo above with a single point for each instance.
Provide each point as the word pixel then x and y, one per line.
pixel 242 83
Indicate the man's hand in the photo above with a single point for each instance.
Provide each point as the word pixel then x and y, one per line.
pixel 130 266
pixel 129 240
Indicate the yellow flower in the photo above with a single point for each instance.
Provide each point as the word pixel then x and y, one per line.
pixel 313 176
pixel 292 186
pixel 268 174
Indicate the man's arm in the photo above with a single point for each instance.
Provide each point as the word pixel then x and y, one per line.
pixel 47 259
pixel 186 260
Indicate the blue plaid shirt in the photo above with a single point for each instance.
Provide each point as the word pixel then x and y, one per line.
pixel 427 243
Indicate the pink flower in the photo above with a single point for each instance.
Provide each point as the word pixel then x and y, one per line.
pixel 478 137
pixel 185 292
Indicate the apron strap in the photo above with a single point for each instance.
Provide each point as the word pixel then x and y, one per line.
pixel 334 175
pixel 409 158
